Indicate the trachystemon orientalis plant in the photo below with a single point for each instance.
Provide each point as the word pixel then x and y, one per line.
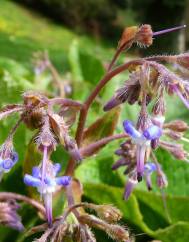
pixel 51 118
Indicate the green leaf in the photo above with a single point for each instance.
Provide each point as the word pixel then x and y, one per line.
pixel 91 67
pixel 73 58
pixel 177 173
pixel 98 169
pixel 14 79
pixel 104 194
pixel 103 127
pixel 178 232
pixel 172 213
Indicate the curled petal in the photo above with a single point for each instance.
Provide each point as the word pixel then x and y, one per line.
pixel 56 168
pixel 7 164
pixel 36 172
pixel 129 187
pixel 153 132
pixel 63 180
pixel 31 181
pixel 150 167
pixel 130 129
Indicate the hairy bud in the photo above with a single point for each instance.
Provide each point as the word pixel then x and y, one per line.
pixel 116 232
pixel 9 216
pixel 106 212
pixel 177 126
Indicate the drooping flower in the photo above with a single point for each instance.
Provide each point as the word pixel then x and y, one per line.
pixel 8 157
pixel 47 187
pixel 143 141
pixel 132 181
pixel 130 185
pixel 149 168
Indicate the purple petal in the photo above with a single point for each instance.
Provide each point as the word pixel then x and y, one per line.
pixel 36 172
pixel 31 181
pixel 50 181
pixel 63 180
pixel 57 168
pixel 130 129
pixel 153 132
pixel 111 104
pixel 129 188
pixel 149 167
pixel 7 164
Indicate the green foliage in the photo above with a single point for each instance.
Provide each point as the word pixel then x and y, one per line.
pixel 144 212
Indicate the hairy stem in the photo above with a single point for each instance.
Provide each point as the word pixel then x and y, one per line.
pixel 84 110
pixel 115 57
pixel 95 92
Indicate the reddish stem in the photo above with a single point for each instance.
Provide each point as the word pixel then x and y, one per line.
pixel 95 92
pixel 84 110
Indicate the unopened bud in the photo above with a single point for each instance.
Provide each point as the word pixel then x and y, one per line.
pixel 177 125
pixel 107 212
pixel 144 35
pixel 174 135
pixel 116 232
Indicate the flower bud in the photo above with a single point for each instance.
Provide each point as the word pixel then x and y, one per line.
pixel 144 35
pixel 107 212
pixel 115 231
pixel 174 135
pixel 177 125
pixel 9 216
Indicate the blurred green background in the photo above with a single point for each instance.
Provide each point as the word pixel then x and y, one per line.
pixel 81 37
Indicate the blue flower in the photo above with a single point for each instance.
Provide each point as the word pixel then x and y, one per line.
pixel 143 140
pixel 7 163
pixel 47 187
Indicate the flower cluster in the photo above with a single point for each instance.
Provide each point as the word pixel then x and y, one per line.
pixel 148 83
